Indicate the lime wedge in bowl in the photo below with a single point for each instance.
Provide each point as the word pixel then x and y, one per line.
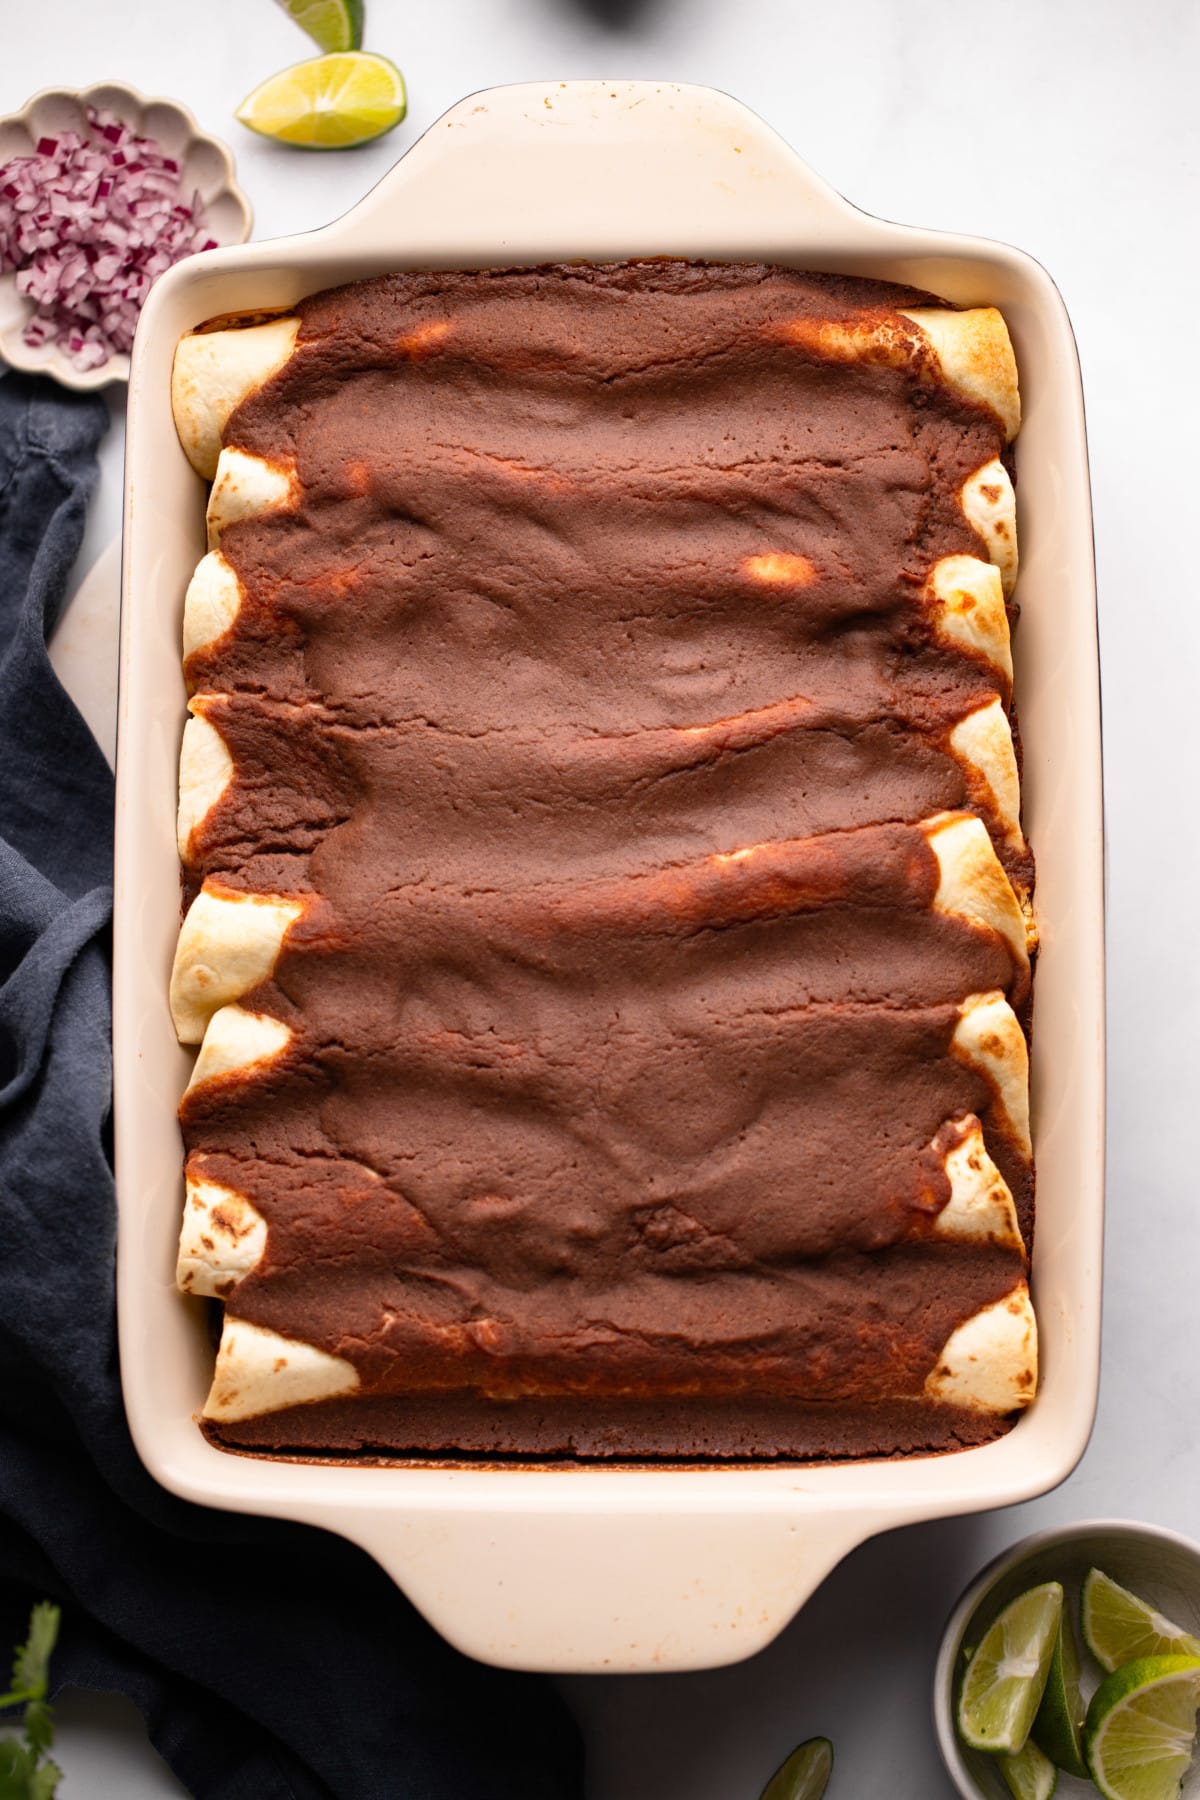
pixel 1006 1678
pixel 1029 1775
pixel 1141 1728
pixel 328 103
pixel 1119 1627
pixel 805 1774
pixel 1058 1727
pixel 331 24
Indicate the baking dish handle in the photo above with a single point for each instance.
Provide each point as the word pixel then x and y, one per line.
pixel 612 1572
pixel 681 165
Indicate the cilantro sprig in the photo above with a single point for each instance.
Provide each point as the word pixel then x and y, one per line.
pixel 26 1773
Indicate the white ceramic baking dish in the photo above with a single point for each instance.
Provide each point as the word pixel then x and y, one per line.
pixel 605 1569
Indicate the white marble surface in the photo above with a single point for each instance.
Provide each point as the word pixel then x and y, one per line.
pixel 1069 127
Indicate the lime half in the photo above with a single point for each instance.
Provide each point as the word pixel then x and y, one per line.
pixel 1006 1678
pixel 1058 1728
pixel 328 103
pixel 331 24
pixel 1029 1774
pixel 805 1774
pixel 1141 1728
pixel 1118 1627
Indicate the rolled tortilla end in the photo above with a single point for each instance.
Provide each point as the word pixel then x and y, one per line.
pixel 238 1042
pixel 229 942
pixel 970 351
pixel 214 372
pixel 205 772
pixel 965 597
pixel 975 355
pixel 259 1371
pixel 245 487
pixel 981 1209
pixel 972 884
pixel 990 508
pixel 983 743
pixel 211 604
pixel 223 1238
pixel 989 1038
pixel 990 1363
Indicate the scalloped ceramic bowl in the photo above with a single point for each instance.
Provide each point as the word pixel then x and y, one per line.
pixel 1160 1565
pixel 207 169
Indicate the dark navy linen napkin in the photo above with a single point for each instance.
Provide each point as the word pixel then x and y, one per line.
pixel 272 1662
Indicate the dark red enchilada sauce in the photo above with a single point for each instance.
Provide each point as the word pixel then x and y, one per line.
pixel 596 1137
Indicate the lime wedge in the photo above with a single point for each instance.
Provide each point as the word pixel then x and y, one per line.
pixel 1058 1728
pixel 1029 1774
pixel 328 103
pixel 1118 1627
pixel 805 1774
pixel 331 24
pixel 1005 1679
pixel 1141 1727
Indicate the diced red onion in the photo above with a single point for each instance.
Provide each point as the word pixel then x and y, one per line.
pixel 89 223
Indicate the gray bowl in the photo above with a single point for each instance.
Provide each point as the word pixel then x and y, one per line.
pixel 1159 1565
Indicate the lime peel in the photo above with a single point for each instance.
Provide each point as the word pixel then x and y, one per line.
pixel 1004 1682
pixel 1141 1727
pixel 331 24
pixel 329 102
pixel 1120 1627
pixel 1029 1775
pixel 805 1774
pixel 1058 1728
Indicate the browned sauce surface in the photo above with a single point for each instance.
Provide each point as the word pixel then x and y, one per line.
pixel 599 575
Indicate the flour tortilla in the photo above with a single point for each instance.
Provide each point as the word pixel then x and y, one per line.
pixel 205 772
pixel 965 600
pixel 214 372
pixel 990 508
pixel 983 743
pixel 971 351
pixel 245 487
pixel 975 355
pixel 223 1238
pixel 972 884
pixel 238 1041
pixel 229 942
pixel 258 1371
pixel 990 1364
pixel 981 1208
pixel 989 1038
pixel 211 604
